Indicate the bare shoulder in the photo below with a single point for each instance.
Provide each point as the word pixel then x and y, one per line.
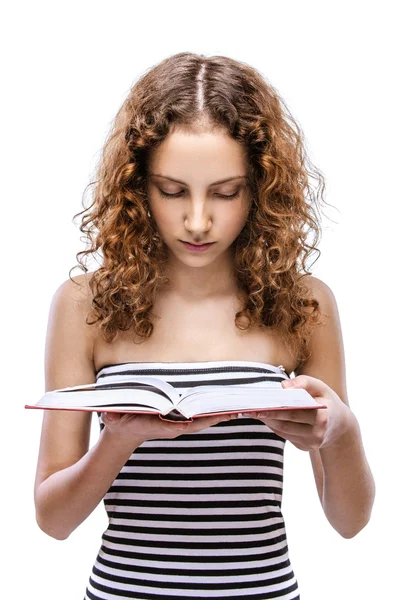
pixel 327 358
pixel 67 326
pixel 320 290
pixel 76 291
pixel 69 339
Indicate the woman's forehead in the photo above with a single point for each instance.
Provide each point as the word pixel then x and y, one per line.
pixel 210 157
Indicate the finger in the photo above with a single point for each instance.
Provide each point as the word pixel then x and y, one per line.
pixel 216 418
pixel 315 387
pixel 204 422
pixel 289 428
pixel 299 416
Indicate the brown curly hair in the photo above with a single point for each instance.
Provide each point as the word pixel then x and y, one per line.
pixel 272 249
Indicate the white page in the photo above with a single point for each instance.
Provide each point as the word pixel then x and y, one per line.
pixel 222 398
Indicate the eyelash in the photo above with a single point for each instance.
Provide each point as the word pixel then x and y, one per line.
pixel 166 195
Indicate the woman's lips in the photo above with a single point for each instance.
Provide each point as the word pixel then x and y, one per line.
pixel 197 248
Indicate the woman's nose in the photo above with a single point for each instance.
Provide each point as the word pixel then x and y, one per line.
pixel 198 218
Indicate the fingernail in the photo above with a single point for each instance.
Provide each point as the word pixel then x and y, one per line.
pixel 288 383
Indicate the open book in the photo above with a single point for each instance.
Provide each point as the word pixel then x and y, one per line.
pixel 150 395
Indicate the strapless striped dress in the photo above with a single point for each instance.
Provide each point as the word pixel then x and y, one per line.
pixel 198 516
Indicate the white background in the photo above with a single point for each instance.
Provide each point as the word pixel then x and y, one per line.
pixel 343 71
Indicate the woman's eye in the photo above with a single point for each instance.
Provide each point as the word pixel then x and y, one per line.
pixel 162 193
pixel 230 197
pixel 178 194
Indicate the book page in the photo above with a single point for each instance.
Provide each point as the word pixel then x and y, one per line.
pixel 165 387
pixel 137 399
pixel 217 398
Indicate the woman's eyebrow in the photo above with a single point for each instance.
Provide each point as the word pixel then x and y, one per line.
pixel 183 183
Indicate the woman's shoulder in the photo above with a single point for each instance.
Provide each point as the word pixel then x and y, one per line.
pixel 326 359
pixel 77 287
pixel 75 294
pixel 322 293
pixel 70 306
pixel 316 285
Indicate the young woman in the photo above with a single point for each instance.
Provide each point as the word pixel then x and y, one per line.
pixel 202 213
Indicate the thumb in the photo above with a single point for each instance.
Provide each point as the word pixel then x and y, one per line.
pixel 315 387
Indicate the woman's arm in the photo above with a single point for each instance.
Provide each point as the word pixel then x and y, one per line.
pixel 343 477
pixel 70 480
pixel 68 496
pixel 348 490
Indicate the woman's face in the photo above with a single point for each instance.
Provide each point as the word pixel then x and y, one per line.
pixel 190 165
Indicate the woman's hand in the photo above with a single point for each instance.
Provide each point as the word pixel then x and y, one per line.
pixel 138 428
pixel 310 429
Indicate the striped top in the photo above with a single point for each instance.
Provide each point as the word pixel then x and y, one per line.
pixel 198 516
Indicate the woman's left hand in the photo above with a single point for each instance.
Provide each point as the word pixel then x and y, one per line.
pixel 310 429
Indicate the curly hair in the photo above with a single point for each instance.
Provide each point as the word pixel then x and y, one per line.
pixel 273 247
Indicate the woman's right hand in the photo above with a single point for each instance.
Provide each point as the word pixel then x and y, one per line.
pixel 136 429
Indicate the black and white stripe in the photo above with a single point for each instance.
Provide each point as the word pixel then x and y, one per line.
pixel 198 516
